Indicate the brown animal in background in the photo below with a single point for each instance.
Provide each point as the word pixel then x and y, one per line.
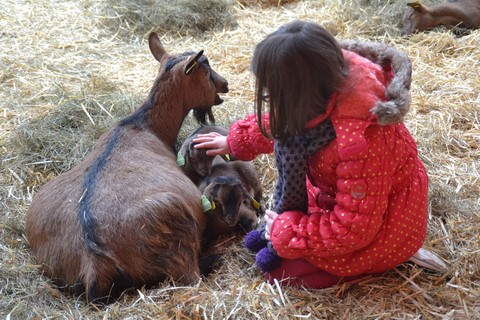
pixel 461 13
pixel 234 191
pixel 195 162
pixel 127 216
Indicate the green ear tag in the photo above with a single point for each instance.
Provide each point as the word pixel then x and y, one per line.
pixel 255 203
pixel 180 160
pixel 206 205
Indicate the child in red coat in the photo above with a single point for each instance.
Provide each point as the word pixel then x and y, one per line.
pixel 351 197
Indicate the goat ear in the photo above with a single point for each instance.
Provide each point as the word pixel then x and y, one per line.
pixel 193 63
pixel 156 46
pixel 416 5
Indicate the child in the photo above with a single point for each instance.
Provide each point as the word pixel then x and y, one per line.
pixel 351 196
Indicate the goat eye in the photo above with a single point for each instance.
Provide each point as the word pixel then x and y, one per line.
pixel 247 203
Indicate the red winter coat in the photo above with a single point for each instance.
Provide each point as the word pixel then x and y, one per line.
pixel 367 189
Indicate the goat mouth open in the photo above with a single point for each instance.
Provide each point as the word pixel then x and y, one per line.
pixel 218 100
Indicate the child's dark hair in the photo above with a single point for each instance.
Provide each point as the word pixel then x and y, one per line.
pixel 297 69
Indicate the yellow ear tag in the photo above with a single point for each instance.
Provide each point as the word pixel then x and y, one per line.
pixel 226 157
pixel 255 203
pixel 213 205
pixel 206 204
pixel 180 159
pixel 415 4
pixel 189 70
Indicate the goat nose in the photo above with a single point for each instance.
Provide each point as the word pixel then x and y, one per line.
pixel 221 84
pixel 224 88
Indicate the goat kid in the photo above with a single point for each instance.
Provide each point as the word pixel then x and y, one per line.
pixel 127 216
pixel 233 192
pixel 194 162
pixel 461 13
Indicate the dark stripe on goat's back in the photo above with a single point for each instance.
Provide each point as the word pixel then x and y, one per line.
pixel 85 214
pixel 137 120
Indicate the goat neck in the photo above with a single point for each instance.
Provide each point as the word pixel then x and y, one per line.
pixel 165 118
pixel 448 14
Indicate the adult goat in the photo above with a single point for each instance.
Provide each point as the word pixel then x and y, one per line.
pixel 127 216
pixel 461 13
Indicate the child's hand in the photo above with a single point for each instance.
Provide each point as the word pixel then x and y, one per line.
pixel 270 216
pixel 214 141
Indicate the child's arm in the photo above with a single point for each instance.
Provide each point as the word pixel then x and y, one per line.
pixel 244 141
pixel 325 234
pixel 361 203
pixel 213 141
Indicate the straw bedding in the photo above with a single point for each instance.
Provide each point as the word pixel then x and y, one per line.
pixel 70 69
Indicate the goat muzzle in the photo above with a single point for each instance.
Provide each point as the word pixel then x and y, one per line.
pixel 223 89
pixel 218 100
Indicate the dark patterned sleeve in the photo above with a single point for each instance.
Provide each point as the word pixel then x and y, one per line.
pixel 291 157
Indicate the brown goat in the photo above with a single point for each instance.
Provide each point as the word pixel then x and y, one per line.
pixel 234 191
pixel 461 13
pixel 127 216
pixel 195 162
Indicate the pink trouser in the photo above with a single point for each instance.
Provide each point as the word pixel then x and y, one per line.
pixel 300 273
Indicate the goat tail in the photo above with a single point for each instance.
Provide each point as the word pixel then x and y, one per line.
pixel 102 279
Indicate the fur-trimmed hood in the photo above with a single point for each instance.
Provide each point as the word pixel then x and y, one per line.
pixel 397 93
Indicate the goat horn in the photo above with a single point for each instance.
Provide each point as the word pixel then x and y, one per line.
pixel 193 63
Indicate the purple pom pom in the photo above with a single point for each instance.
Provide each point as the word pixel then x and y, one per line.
pixel 267 260
pixel 253 241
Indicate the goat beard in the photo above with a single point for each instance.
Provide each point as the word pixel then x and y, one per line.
pixel 201 115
